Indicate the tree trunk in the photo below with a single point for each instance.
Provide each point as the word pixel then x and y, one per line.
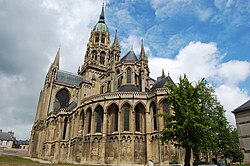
pixel 187 156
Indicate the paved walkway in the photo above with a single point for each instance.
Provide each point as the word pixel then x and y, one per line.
pixel 39 160
pixel 14 152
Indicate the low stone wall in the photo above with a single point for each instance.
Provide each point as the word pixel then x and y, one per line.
pixel 14 152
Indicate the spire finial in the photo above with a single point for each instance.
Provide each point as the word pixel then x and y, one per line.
pixel 102 19
pixel 143 54
pixel 57 58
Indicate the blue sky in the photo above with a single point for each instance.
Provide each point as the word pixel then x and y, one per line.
pixel 204 39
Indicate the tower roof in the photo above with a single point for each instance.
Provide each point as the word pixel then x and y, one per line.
pixel 129 57
pixel 101 26
pixel 162 83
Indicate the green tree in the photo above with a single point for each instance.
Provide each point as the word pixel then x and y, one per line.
pixel 197 114
pixel 229 145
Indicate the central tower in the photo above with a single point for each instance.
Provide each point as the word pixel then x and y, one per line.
pixel 96 60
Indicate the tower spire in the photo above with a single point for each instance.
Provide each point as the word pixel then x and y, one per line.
pixel 102 19
pixel 163 73
pixel 143 54
pixel 57 58
pixel 116 44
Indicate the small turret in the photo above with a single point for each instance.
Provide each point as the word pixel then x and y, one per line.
pixel 143 56
pixel 115 52
pixel 57 59
pixel 53 68
pixel 116 45
pixel 162 75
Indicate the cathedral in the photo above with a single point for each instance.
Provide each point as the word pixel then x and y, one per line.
pixel 107 112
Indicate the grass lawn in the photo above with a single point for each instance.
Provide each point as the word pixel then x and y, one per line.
pixel 15 160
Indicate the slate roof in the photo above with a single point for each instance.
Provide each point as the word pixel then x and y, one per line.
pixel 69 78
pixel 130 57
pixel 4 136
pixel 161 83
pixel 129 88
pixel 243 107
pixel 72 105
pixel 22 142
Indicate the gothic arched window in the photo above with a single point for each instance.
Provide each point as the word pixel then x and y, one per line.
pixel 89 118
pixel 129 75
pixel 139 117
pixel 113 117
pixel 102 58
pixel 82 119
pixel 126 116
pixel 97 38
pixel 62 99
pixel 119 80
pixel 103 38
pixel 154 113
pixel 164 108
pixel 99 118
pixel 94 55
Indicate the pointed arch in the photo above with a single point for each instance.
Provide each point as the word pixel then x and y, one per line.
pixel 129 75
pixel 119 75
pixel 103 39
pixel 102 57
pixel 97 38
pixel 164 108
pixel 94 54
pixel 62 99
pixel 99 118
pixel 113 110
pixel 139 117
pixel 126 109
pixel 153 111
pixel 82 119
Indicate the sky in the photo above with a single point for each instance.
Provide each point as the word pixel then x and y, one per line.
pixel 204 39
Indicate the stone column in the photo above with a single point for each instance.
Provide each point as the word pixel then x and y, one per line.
pixel 105 127
pixel 132 129
pixel 148 134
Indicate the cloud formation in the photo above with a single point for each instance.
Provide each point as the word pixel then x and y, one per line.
pixel 203 60
pixel 30 34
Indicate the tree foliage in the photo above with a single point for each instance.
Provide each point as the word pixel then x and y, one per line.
pixel 198 118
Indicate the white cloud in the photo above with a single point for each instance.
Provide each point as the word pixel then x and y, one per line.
pixel 203 13
pixel 233 72
pixel 133 42
pixel 203 60
pixel 172 8
pixel 231 97
pixel 222 4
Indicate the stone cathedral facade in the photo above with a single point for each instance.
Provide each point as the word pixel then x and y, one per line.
pixel 104 114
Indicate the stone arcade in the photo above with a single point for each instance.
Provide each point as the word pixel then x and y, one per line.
pixel 104 114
